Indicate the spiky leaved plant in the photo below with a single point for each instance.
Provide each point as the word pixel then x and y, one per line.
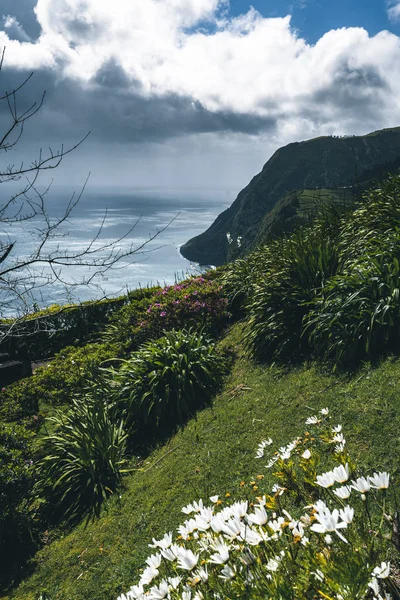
pixel 166 380
pixel 84 457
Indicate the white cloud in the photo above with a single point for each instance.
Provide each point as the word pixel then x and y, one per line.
pixel 394 12
pixel 248 65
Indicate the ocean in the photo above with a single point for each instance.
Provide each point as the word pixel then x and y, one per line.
pixel 184 213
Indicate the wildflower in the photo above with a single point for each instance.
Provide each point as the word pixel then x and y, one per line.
pixel 222 555
pixel 214 499
pixel 272 461
pixel 276 524
pixel 163 313
pixel 187 559
pixel 324 411
pixel 362 485
pixel 383 571
pixel 259 517
pixel 343 492
pixel 174 582
pixel 195 507
pixel 164 543
pixel 273 563
pixel 136 591
pixel 339 448
pixel 202 573
pixel 328 522
pixel 277 489
pixel 158 593
pixel 347 514
pixel 341 473
pixel 328 539
pixel 262 446
pixel 239 509
pixel 374 585
pixel 154 560
pixel 337 429
pixel 148 575
pixel 326 480
pixel 306 454
pixel 313 420
pixel 380 481
pixel 227 573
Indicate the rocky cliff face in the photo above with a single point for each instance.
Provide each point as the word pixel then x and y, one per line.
pixel 325 163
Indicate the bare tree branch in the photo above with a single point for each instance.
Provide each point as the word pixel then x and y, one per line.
pixel 27 211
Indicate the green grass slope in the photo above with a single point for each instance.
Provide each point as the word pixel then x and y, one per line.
pixel 212 455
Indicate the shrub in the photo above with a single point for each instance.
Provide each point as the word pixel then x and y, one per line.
pixel 15 486
pixel 359 315
pixel 69 373
pixel 197 302
pixel 302 265
pixel 240 277
pixel 316 534
pixel 83 458
pixel 167 380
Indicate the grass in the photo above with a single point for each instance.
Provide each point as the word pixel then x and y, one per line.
pixel 213 454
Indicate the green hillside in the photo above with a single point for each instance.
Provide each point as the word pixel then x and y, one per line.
pixel 213 455
pixel 324 163
pixel 268 389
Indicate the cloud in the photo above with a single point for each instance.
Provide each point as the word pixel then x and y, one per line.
pixel 14 29
pixel 394 12
pixel 148 70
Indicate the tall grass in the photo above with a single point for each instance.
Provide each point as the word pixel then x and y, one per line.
pixel 330 290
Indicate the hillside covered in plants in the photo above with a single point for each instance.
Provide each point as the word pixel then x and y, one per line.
pixel 295 179
pixel 262 399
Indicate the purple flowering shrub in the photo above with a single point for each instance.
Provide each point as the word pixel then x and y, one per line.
pixel 196 302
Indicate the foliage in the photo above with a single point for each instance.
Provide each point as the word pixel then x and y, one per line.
pixel 264 206
pixel 240 277
pixel 302 264
pixel 328 535
pixel 214 454
pixel 358 315
pixel 167 380
pixel 197 302
pixel 46 332
pixel 71 371
pixel 15 487
pixel 329 291
pixel 83 458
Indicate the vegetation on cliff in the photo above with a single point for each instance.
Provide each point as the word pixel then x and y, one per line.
pixel 296 178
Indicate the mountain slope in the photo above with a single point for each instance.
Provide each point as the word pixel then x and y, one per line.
pixel 324 162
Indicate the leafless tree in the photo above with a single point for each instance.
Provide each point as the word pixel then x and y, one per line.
pixel 24 278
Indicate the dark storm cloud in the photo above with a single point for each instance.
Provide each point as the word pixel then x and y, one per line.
pixel 114 108
pixel 353 89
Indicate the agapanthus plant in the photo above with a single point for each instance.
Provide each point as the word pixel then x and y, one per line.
pixel 316 534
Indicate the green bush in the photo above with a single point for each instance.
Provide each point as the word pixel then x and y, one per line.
pixel 16 468
pixel 167 380
pixel 196 302
pixel 359 315
pixel 69 373
pixel 83 458
pixel 280 301
pixel 44 333
pixel 240 277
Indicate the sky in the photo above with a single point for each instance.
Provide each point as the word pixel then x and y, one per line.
pixel 194 94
